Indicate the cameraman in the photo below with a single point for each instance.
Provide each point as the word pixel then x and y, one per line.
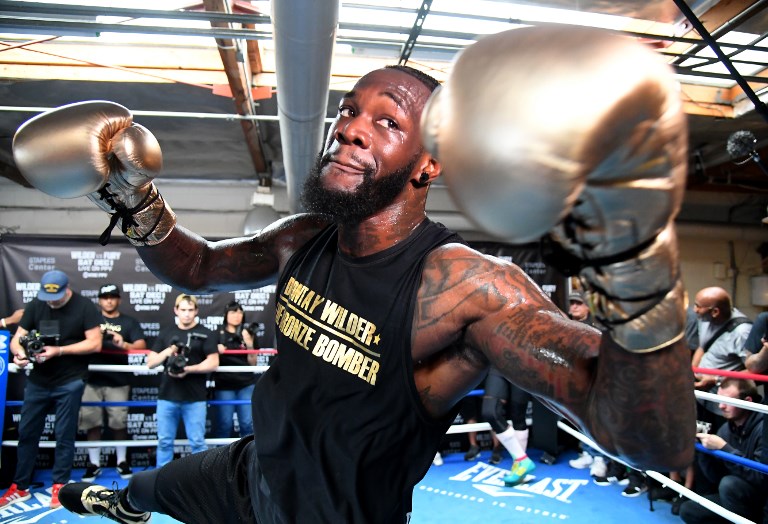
pixel 188 352
pixel 57 331
pixel 121 333
pixel 234 334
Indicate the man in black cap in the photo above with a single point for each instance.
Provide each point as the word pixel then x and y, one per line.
pixel 578 308
pixel 57 331
pixel 122 333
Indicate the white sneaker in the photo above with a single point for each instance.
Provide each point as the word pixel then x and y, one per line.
pixel 438 460
pixel 599 467
pixel 584 460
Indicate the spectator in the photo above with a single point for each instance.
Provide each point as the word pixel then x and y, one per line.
pixel 737 488
pixel 56 332
pixel 514 437
pixel 120 334
pixel 757 362
pixel 590 458
pixel 471 409
pixel 188 352
pixel 234 334
pixel 10 322
pixel 723 331
pixel 757 345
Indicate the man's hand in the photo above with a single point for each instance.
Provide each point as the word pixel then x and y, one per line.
pixel 20 359
pixel 117 339
pixel 705 382
pixel 711 441
pixel 178 375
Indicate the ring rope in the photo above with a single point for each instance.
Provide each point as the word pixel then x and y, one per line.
pixel 225 352
pixel 736 459
pixel 664 480
pixel 754 406
pixel 733 374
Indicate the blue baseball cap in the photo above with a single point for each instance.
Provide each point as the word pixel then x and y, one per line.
pixel 53 286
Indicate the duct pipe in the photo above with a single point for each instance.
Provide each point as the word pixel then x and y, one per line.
pixel 304 32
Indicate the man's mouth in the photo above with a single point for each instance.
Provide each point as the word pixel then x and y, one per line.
pixel 346 167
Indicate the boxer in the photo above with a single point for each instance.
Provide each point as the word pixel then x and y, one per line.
pixel 386 320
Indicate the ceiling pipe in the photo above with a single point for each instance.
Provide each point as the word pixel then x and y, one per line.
pixel 304 33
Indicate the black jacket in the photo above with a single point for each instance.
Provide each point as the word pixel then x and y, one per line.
pixel 744 441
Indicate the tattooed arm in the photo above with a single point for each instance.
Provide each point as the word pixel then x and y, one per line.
pixel 637 406
pixel 189 262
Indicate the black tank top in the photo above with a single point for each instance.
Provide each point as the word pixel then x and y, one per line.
pixel 341 434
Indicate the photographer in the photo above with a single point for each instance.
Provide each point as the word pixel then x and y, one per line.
pixel 733 486
pixel 234 334
pixel 121 333
pixel 56 333
pixel 188 352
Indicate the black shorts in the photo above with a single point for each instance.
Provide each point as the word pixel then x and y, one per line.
pixel 208 487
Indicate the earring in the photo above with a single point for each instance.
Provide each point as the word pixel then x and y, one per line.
pixel 423 178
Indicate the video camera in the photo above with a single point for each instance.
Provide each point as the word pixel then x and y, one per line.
pixel 235 340
pixel 177 362
pixel 107 335
pixel 33 343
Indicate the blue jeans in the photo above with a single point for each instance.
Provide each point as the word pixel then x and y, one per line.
pixel 168 415
pixel 37 399
pixel 224 421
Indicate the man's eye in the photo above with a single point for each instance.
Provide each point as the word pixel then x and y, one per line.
pixel 345 111
pixel 388 123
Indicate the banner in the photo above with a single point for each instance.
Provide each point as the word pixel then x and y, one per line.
pixel 5 357
pixel 89 265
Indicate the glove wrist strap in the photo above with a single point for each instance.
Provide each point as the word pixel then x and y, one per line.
pixel 146 224
pixel 640 301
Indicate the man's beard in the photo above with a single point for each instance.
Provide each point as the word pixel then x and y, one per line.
pixel 352 207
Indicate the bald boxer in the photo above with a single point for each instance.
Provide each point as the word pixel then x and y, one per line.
pixel 385 320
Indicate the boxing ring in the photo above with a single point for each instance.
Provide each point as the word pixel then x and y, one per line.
pixel 488 493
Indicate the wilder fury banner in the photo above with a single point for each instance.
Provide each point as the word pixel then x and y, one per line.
pixel 23 261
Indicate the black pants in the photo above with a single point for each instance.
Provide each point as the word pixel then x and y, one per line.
pixel 207 487
pixel 498 392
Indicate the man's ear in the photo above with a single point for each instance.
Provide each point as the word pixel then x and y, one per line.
pixel 429 170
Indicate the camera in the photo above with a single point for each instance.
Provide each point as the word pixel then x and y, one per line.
pixel 177 362
pixel 235 340
pixel 33 343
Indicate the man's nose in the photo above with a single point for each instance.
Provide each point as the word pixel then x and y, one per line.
pixel 354 131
